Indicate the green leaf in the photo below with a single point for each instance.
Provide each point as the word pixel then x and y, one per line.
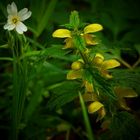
pixel 79 43
pixel 127 78
pixel 74 19
pixel 35 99
pixel 46 16
pixel 65 93
pixel 124 127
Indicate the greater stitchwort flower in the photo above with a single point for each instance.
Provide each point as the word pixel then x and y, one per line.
pixel 15 18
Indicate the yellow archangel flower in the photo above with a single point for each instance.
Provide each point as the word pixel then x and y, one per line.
pixel 104 65
pixel 65 33
pixel 98 107
pixel 98 61
pixel 122 93
pixel 95 106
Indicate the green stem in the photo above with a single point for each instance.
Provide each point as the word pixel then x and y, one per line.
pixel 6 58
pixel 67 134
pixel 19 86
pixel 86 119
pixel 125 63
pixel 136 63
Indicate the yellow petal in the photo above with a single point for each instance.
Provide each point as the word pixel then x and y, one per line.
pixel 95 106
pixel 88 86
pixel 109 64
pixel 77 65
pixel 98 59
pixel 125 92
pixel 74 74
pixel 90 39
pixel 101 113
pixel 99 55
pixel 123 104
pixel 62 33
pixel 69 43
pixel 105 74
pixel 91 28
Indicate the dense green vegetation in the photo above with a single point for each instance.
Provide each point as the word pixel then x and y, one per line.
pixel 74 74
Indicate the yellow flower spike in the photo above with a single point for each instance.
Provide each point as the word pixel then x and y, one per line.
pixel 77 65
pixel 62 33
pixel 95 106
pixel 91 28
pixel 90 39
pixel 69 43
pixel 109 64
pixel 73 74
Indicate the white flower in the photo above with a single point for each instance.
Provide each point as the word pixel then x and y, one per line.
pixel 15 18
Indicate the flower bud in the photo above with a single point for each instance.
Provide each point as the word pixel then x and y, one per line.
pixel 77 65
pixel 98 60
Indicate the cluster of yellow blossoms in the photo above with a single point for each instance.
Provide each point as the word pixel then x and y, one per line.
pixel 77 72
pixel 65 33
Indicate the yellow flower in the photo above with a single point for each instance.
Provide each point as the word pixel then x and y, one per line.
pixel 74 74
pixel 76 71
pixel 104 65
pixel 123 93
pixel 97 107
pixel 65 33
pixel 77 65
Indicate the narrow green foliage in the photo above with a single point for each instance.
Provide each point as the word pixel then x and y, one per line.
pixel 44 20
pixel 6 58
pixel 35 100
pixel 20 80
pixel 86 119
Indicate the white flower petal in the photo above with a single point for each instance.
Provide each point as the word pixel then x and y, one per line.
pixel 10 17
pixel 9 26
pixel 20 28
pixel 12 9
pixel 24 14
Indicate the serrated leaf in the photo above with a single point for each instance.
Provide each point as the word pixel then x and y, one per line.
pixel 127 78
pixel 63 94
pixel 124 126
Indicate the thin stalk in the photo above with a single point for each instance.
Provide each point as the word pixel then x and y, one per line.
pixel 86 119
pixel 6 58
pixel 15 99
pixel 19 87
pixel 67 134
pixel 125 63
pixel 136 63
